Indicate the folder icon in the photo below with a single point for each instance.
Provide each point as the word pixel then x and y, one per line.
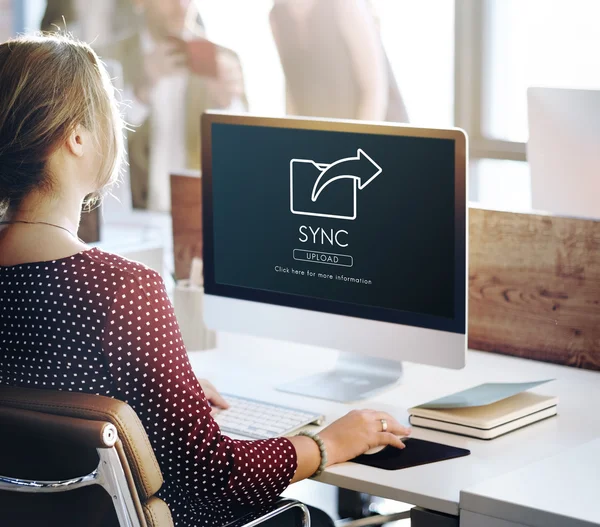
pixel 336 201
pixel 330 190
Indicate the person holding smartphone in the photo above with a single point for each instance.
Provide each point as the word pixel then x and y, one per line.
pixel 172 74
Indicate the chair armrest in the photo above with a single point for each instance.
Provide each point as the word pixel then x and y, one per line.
pixel 93 434
pixel 270 511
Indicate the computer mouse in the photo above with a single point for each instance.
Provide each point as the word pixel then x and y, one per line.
pixel 374 450
pixel 377 449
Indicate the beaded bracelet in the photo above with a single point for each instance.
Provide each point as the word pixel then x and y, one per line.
pixel 322 450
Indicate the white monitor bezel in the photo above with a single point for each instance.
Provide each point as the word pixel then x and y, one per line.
pixel 246 311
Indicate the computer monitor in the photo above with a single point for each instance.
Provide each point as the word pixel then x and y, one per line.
pixel 564 151
pixel 338 234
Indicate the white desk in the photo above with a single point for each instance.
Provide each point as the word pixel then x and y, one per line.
pixel 253 367
pixel 559 491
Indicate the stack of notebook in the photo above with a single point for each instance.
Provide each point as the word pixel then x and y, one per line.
pixel 486 411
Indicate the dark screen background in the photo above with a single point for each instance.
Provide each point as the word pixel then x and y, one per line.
pixel 402 239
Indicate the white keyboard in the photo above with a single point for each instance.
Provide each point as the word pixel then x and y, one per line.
pixel 260 420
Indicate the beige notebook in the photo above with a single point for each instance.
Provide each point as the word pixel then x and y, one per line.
pixel 488 421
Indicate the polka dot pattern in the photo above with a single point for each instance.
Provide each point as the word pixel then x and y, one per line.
pixel 98 323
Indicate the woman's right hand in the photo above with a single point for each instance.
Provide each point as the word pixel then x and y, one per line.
pixel 359 431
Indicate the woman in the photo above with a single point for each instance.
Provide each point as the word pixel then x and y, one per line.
pixel 334 61
pixel 80 319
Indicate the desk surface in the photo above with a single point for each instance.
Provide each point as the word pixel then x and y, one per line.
pixel 559 491
pixel 253 367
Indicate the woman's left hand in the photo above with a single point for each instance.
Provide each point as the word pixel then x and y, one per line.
pixel 213 396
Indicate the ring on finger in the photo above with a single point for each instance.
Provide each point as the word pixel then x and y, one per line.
pixel 384 425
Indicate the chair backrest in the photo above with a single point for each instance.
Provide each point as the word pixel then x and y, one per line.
pixel 54 441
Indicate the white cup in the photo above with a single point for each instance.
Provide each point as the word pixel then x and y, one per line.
pixel 188 302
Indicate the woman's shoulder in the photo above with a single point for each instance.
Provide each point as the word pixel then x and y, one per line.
pixel 130 288
pixel 118 266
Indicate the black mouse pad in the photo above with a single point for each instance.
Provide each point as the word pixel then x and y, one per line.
pixel 417 452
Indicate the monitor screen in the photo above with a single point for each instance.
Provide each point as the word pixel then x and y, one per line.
pixel 347 222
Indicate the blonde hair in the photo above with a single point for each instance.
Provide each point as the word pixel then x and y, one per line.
pixel 50 84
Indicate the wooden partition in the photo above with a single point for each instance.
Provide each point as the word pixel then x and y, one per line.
pixel 534 280
pixel 186 207
pixel 534 287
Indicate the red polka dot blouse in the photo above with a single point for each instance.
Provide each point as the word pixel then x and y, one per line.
pixel 98 323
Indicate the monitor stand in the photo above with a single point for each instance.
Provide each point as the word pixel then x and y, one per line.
pixel 353 378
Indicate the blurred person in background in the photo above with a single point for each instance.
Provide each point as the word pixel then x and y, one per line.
pixel 171 75
pixel 89 21
pixel 334 61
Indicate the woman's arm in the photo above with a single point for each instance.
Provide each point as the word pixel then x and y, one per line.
pixel 151 371
pixel 362 38
pixel 308 457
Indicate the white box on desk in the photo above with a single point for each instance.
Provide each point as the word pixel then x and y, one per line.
pixel 188 302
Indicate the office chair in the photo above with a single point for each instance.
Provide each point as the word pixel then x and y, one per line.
pixel 80 459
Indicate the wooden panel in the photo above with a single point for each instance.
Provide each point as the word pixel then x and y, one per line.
pixel 534 287
pixel 186 211
pixel 534 281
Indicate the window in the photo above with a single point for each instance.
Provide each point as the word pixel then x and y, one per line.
pixel 502 48
pixel 536 43
pixel 505 46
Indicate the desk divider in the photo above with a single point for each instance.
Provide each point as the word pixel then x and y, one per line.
pixel 534 280
pixel 186 207
pixel 534 287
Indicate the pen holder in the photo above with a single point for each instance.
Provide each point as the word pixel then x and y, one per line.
pixel 188 302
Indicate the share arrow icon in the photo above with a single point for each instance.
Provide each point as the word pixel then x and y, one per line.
pixel 309 178
pixel 362 168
